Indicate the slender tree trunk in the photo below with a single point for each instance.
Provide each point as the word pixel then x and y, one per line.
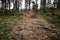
pixel 9 4
pixel 17 4
pixel 58 4
pixel 26 4
pixel 44 3
pixel 13 5
pixel 2 4
pixel 5 5
pixel 36 4
pixel 29 4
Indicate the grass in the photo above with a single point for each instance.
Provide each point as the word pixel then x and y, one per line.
pixel 6 24
pixel 51 19
pixel 55 20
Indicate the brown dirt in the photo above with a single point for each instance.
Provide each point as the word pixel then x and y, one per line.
pixel 33 27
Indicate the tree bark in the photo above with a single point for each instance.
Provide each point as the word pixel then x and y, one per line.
pixel 58 4
pixel 29 4
pixel 44 5
pixel 9 4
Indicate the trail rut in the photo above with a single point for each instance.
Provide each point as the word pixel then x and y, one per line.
pixel 33 27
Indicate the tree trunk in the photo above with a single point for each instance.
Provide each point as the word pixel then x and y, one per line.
pixel 36 4
pixel 44 5
pixel 26 4
pixel 58 4
pixel 29 4
pixel 9 4
pixel 5 5
pixel 18 5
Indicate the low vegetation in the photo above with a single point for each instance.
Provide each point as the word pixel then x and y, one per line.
pixel 54 19
pixel 6 24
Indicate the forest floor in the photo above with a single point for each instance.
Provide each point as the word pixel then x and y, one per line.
pixel 32 26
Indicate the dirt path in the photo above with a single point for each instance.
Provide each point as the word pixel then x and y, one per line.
pixel 33 27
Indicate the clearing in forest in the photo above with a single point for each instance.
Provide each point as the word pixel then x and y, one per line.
pixel 33 27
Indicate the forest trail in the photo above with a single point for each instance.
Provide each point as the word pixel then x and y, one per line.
pixel 33 27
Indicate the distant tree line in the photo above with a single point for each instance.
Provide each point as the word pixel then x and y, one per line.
pixel 16 3
pixel 7 3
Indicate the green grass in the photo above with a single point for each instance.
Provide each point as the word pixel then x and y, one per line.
pixel 51 19
pixel 55 20
pixel 6 24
